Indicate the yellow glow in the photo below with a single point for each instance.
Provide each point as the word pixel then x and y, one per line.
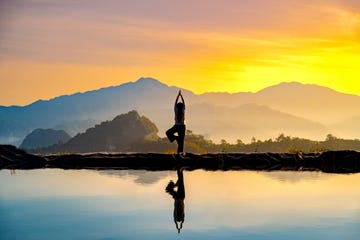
pixel 317 44
pixel 233 187
pixel 232 70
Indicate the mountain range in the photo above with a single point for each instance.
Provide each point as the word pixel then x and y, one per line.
pixel 295 109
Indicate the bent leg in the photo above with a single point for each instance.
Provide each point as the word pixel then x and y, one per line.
pixel 171 133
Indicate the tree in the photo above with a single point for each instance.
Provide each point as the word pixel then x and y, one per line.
pixel 330 138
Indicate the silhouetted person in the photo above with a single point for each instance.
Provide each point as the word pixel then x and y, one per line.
pixel 179 126
pixel 179 196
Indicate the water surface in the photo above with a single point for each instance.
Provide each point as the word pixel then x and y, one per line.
pixel 123 204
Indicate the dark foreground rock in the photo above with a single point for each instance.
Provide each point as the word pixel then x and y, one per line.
pixel 13 158
pixel 332 161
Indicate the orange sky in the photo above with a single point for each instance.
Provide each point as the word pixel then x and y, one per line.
pixel 50 48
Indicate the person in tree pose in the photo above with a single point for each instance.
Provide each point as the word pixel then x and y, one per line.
pixel 179 126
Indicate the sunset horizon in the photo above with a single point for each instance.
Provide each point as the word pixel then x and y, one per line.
pixel 157 119
pixel 50 98
pixel 54 48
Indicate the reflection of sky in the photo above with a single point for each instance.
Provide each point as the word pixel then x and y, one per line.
pixel 41 204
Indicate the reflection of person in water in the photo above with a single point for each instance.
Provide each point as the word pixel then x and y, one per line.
pixel 179 126
pixel 179 196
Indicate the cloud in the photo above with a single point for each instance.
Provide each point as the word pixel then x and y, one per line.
pixel 124 32
pixel 348 21
pixel 199 41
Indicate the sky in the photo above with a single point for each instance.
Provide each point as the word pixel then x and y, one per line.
pixel 50 48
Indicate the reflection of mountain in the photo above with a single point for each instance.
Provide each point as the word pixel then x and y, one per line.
pixel 141 176
pixel 151 177
pixel 290 108
pixel 293 177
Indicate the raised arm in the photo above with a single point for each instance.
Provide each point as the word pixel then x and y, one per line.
pixel 177 98
pixel 182 99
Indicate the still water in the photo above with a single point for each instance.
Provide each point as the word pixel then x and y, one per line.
pixel 124 204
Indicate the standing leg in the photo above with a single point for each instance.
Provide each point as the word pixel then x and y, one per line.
pixel 181 138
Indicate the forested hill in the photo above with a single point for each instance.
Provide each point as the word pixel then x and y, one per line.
pixel 131 132
pixel 116 135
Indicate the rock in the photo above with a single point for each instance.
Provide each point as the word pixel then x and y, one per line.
pixel 332 161
pixel 13 158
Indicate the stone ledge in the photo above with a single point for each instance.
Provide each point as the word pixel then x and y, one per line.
pixel 331 161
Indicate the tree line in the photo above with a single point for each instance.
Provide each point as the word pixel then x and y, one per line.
pixel 197 143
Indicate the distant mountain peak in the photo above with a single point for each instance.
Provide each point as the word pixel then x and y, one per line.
pixel 295 85
pixel 133 114
pixel 115 135
pixel 149 81
pixel 39 138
